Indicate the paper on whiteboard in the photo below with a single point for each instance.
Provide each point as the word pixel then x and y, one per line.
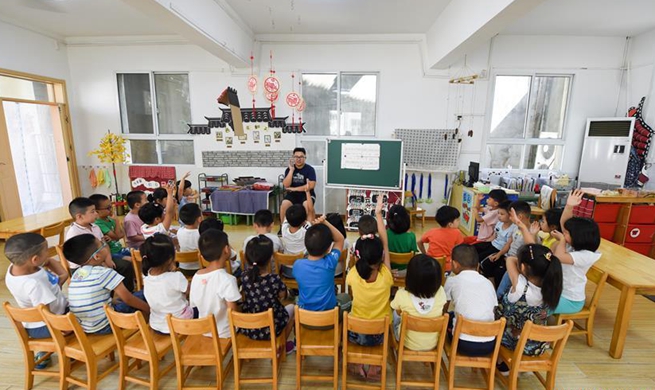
pixel 360 156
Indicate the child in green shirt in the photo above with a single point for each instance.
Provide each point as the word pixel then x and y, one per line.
pixel 112 231
pixel 401 240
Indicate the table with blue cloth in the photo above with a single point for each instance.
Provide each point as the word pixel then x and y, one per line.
pixel 241 202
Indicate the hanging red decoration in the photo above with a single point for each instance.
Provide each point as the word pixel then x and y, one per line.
pixel 301 106
pixel 293 99
pixel 252 82
pixel 272 96
pixel 272 86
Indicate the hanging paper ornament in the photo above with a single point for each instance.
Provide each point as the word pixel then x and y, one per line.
pixel 272 96
pixel 93 179
pixel 293 99
pixel 301 106
pixel 272 84
pixel 252 84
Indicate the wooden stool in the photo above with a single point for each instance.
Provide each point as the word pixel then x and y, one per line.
pixel 417 212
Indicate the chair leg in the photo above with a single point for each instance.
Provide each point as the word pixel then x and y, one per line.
pixel 154 375
pixel 92 375
pixel 298 368
pixel 123 365
pixel 383 378
pixel 29 367
pixel 64 371
pixel 344 370
pixel 590 331
pixel 237 373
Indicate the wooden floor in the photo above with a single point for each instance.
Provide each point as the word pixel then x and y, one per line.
pixel 581 367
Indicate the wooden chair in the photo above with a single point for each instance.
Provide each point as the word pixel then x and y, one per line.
pixel 588 312
pixel 288 260
pixel 62 259
pixel 88 349
pixel 414 211
pixel 17 316
pixel 341 279
pixel 487 363
pixel 144 345
pixel 442 263
pixel 54 230
pixel 191 257
pixel 193 349
pixel 433 356
pixel 246 348
pixel 556 335
pixel 538 210
pixel 353 353
pixel 204 264
pixel 137 263
pixel 317 342
pixel 402 259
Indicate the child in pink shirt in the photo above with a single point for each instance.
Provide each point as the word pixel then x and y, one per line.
pixel 487 217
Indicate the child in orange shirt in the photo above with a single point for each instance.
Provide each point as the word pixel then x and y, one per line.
pixel 443 239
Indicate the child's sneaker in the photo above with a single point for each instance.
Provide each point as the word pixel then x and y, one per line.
pixel 290 347
pixel 503 368
pixel 45 363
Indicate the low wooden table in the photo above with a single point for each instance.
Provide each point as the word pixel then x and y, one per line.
pixel 33 222
pixel 632 273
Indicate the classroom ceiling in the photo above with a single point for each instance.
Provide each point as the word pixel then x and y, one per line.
pixel 80 18
pixel 338 16
pixel 587 18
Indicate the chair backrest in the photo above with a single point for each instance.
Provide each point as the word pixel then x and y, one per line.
pixel 600 278
pixel 556 335
pixel 363 326
pixel 56 229
pixel 424 325
pixel 442 263
pixel 191 257
pixel 130 321
pixel 400 258
pixel 204 264
pixel 181 328
pixel 137 263
pixel 62 259
pixel 59 325
pixel 480 329
pixel 242 257
pixel 285 259
pixel 251 321
pixel 316 318
pixel 19 315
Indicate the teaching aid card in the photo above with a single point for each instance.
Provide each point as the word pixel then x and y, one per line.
pixel 360 156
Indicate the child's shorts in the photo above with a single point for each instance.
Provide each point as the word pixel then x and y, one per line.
pixel 366 340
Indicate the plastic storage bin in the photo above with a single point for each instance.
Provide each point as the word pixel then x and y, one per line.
pixel 606 212
pixel 640 214
pixel 642 234
pixel 607 230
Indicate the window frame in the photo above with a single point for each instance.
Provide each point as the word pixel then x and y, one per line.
pixel 309 137
pixel 155 136
pixel 526 142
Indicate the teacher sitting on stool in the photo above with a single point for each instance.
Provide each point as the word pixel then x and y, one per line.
pixel 296 177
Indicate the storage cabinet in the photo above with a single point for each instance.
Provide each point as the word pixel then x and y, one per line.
pixel 627 221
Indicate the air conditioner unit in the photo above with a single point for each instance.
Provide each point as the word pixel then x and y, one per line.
pixel 606 151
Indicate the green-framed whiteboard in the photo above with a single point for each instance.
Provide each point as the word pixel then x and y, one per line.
pixel 364 163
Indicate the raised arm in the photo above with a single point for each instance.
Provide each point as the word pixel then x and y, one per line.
pixel 575 198
pixel 337 237
pixel 382 231
pixel 512 264
pixel 180 190
pixel 311 212
pixel 529 234
pixel 170 207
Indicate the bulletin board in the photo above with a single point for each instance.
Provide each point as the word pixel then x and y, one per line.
pixel 364 163
pixel 430 149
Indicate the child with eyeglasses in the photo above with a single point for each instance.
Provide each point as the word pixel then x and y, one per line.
pixel 92 284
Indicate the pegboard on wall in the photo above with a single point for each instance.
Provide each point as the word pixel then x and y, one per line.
pixel 430 149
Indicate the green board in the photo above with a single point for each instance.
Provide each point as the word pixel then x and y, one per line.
pixel 387 176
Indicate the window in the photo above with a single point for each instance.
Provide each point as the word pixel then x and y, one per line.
pixel 340 103
pixel 527 121
pixel 155 109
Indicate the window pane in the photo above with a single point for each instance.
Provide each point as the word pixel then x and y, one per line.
pixel 510 106
pixel 358 96
pixel 543 157
pixel 548 100
pixel 135 103
pixel 12 87
pixel 320 94
pixel 143 152
pixel 504 156
pixel 315 151
pixel 173 105
pixel 177 152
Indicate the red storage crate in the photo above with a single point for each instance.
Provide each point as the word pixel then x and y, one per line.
pixel 607 230
pixel 606 212
pixel 644 249
pixel 640 234
pixel 642 214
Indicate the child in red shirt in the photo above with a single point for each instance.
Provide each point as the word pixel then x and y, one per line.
pixel 443 239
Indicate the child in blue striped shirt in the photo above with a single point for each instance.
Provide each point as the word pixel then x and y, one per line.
pixel 92 283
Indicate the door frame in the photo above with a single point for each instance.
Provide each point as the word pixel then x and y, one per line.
pixel 61 101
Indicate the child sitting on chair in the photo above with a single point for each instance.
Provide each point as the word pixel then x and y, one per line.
pixel 113 232
pixel 487 217
pixel 132 223
pixel 443 239
pixel 401 240
pixel 158 219
pixel 188 235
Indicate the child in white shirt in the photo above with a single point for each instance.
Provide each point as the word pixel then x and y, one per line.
pixel 473 297
pixel 188 235
pixel 213 290
pixel 263 225
pixel 165 289
pixel 295 225
pixel 155 219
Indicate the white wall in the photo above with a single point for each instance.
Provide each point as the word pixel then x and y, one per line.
pixel 406 99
